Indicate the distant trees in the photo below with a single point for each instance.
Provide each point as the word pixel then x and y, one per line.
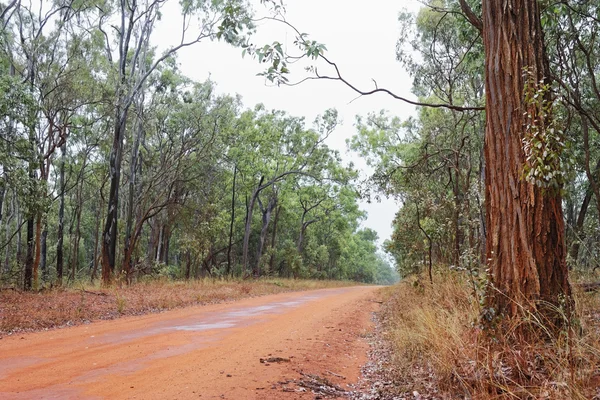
pixel 99 131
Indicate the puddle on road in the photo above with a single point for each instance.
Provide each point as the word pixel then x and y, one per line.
pixel 206 327
pixel 241 315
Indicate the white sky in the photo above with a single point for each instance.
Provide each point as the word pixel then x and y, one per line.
pixel 360 37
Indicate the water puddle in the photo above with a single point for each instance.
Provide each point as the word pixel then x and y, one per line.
pixel 205 327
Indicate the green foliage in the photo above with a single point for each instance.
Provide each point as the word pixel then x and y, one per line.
pixel 545 140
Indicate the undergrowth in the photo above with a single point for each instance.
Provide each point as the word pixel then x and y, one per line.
pixel 440 350
pixel 30 311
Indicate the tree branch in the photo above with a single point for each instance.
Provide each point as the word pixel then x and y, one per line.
pixel 471 17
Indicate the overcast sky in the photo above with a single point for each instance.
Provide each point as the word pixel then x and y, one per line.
pixel 360 37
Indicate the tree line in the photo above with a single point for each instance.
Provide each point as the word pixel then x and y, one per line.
pixel 116 166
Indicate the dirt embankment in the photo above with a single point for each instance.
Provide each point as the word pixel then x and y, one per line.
pixel 33 311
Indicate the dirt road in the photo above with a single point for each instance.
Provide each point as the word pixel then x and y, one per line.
pixel 207 352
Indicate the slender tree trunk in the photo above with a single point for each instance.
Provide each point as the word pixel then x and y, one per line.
pixel 525 240
pixel 38 250
pixel 61 219
pixel 458 233
pixel 19 235
pixel 166 242
pixel 160 244
pixel 75 257
pixel 133 186
pixel 8 219
pixel 429 247
pixel 249 211
pixel 188 265
pixel 273 239
pixel 151 249
pixel 266 218
pixel 3 192
pixel 109 234
pixel 3 204
pixel 592 176
pixel 28 278
pixel 27 282
pixel 481 211
pixel 96 240
pixel 300 243
pixel 578 228
pixel 44 251
pixel 232 221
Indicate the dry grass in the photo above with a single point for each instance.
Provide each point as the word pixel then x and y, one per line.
pixel 28 311
pixel 440 350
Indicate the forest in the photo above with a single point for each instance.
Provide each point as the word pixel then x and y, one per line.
pixel 115 166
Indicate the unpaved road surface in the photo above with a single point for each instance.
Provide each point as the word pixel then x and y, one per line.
pixel 205 352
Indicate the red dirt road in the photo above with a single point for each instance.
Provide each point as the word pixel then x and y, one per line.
pixel 205 352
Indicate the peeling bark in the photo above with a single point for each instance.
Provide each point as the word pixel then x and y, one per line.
pixel 525 244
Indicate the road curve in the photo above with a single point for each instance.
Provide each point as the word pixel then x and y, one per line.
pixel 201 352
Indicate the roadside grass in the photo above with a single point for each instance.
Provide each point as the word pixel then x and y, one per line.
pixel 439 349
pixel 59 307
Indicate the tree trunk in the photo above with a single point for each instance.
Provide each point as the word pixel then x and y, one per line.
pixel 152 237
pixel 27 282
pixel 133 186
pixel 592 176
pixel 458 233
pixel 19 235
pixel 578 228
pixel 481 210
pixel 61 219
pixel 44 251
pixel 231 222
pixel 273 239
pixel 300 244
pixel 266 218
pixel 109 234
pixel 188 265
pixel 96 240
pixel 160 244
pixel 3 203
pixel 28 279
pixel 38 250
pixel 525 240
pixel 8 218
pixel 75 257
pixel 249 212
pixel 429 247
pixel 166 242
pixel 3 192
